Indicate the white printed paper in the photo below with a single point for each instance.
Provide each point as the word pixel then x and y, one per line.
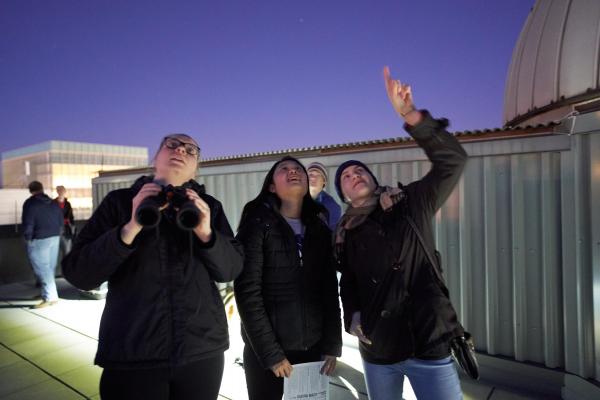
pixel 306 383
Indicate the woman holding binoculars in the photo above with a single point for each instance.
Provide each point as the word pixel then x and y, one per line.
pixel 164 330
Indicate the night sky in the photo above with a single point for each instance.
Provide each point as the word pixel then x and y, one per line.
pixel 247 76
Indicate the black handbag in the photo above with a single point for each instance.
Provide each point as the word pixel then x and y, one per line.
pixel 462 345
pixel 463 352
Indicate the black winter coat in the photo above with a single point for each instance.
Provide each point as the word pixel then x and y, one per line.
pixel 67 210
pixel 287 303
pixel 68 218
pixel 385 240
pixel 41 217
pixel 162 308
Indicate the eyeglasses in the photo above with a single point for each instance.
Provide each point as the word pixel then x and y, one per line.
pixel 173 143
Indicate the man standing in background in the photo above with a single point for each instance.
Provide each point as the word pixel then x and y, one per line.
pixel 42 224
pixel 66 239
pixel 317 179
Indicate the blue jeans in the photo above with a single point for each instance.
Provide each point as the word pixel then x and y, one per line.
pixel 430 379
pixel 43 254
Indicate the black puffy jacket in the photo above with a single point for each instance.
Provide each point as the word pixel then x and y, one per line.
pixel 286 303
pixel 385 240
pixel 162 308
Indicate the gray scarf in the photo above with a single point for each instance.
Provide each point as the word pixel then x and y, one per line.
pixel 385 196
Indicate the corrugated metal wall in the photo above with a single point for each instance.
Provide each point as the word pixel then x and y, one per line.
pixel 102 185
pixel 520 239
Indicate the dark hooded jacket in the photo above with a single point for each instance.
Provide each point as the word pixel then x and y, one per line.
pixel 162 308
pixel 287 303
pixel 385 241
pixel 67 210
pixel 41 217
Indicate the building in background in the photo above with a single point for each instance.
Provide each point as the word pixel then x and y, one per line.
pixel 71 164
pixel 11 205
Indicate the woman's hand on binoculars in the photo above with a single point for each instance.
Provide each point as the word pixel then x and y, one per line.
pixel 131 229
pixel 203 230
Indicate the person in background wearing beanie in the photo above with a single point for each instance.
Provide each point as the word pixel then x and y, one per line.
pixel 287 293
pixel 66 239
pixel 375 243
pixel 42 224
pixel 317 179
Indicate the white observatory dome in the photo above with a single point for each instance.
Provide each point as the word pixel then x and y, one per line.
pixel 555 65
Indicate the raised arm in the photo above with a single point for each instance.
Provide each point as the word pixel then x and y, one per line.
pixel 447 156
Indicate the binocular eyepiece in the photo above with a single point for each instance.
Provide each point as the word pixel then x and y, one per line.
pixel 148 212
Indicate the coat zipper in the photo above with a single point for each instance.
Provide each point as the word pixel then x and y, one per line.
pixel 302 284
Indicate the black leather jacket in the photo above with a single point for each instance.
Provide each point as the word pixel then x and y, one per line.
pixel 385 240
pixel 287 303
pixel 162 308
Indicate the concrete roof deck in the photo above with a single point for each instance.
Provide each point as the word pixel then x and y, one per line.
pixel 48 353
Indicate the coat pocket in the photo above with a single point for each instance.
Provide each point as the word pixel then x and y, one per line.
pixel 392 333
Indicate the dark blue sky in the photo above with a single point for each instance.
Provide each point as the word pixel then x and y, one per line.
pixel 246 76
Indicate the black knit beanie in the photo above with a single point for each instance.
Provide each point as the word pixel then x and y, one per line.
pixel 341 168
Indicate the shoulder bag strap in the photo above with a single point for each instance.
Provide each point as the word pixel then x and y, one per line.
pixel 430 258
pixel 434 265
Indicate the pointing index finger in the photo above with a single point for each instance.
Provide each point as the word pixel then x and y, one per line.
pixel 386 73
pixel 387 78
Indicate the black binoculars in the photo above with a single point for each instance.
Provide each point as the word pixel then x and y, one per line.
pixel 148 212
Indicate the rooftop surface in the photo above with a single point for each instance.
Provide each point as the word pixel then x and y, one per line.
pixel 48 353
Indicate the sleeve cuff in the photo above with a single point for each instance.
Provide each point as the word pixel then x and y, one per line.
pixel 122 247
pixel 271 361
pixel 210 244
pixel 428 125
pixel 335 350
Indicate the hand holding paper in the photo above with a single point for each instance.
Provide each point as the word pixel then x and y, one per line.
pixel 329 363
pixel 307 382
pixel 282 369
